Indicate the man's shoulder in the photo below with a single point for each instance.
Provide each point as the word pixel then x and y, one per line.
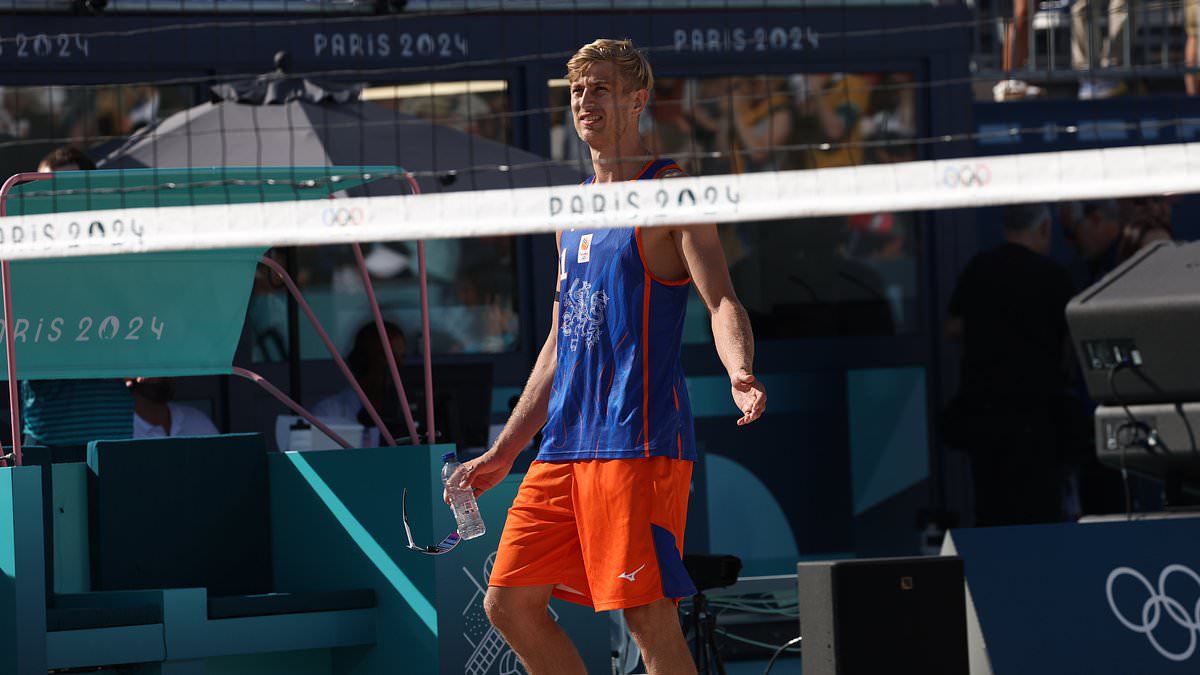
pixel 666 167
pixel 191 421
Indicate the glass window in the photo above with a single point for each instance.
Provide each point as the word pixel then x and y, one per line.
pixel 36 120
pixel 803 278
pixel 472 282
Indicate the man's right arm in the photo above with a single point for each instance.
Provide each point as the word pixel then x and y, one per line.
pixel 527 418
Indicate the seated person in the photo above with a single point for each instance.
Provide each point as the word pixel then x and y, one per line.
pixel 368 364
pixel 74 412
pixel 156 416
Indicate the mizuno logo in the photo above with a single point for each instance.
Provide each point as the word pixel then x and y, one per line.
pixel 629 576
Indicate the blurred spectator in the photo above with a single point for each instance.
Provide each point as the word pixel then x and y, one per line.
pixel 1009 413
pixel 1149 221
pixel 762 122
pixel 1016 52
pixel 1139 233
pixel 1096 230
pixel 710 116
pixel 67 158
pixel 670 129
pixel 838 103
pixel 1085 37
pixel 74 412
pixel 156 415
pixel 368 363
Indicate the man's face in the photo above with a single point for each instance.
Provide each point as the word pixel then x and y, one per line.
pixel 1095 234
pixel 602 110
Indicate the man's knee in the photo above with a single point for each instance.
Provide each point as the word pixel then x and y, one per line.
pixel 648 623
pixel 513 606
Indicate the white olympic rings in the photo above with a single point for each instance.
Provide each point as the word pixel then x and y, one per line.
pixel 966 175
pixel 1156 603
pixel 342 217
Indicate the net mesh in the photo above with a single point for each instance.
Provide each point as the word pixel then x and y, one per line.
pixel 833 132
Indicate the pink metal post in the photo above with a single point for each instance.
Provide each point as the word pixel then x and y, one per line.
pixel 386 342
pixel 427 354
pixel 337 358
pixel 10 347
pixel 429 428
pixel 295 407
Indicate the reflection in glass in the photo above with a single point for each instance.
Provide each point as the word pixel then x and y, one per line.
pixel 36 120
pixel 472 282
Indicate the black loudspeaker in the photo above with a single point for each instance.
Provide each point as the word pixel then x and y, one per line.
pixel 883 615
pixel 1143 317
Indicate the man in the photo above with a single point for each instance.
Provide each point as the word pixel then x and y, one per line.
pixel 1008 310
pixel 1085 37
pixel 1096 234
pixel 156 415
pixel 600 516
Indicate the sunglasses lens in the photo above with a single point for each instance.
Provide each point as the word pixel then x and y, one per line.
pixel 445 546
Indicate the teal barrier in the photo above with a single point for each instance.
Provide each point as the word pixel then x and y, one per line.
pixel 336 524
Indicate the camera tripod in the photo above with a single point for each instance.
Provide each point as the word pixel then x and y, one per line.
pixel 702 625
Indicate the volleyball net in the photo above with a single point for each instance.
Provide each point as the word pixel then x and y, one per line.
pixel 827 141
pixel 731 198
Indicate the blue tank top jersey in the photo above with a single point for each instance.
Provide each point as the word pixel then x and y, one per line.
pixel 618 390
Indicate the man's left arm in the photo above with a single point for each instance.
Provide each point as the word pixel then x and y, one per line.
pixel 700 250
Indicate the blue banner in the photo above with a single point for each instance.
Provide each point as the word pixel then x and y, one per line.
pixel 1120 598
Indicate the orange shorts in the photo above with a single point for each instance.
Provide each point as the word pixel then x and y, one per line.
pixel 606 533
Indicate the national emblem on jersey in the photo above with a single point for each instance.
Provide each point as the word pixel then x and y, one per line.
pixel 583 314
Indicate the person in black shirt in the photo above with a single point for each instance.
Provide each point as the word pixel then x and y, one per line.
pixel 1008 310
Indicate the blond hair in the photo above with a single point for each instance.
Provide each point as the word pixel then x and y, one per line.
pixel 632 66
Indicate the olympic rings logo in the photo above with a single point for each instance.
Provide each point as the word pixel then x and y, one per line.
pixel 342 217
pixel 1157 604
pixel 966 175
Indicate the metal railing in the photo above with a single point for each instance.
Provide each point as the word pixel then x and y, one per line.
pixel 1153 50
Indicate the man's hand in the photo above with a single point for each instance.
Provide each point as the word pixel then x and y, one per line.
pixel 749 396
pixel 482 473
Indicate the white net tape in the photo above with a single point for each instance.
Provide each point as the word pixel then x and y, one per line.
pixel 909 186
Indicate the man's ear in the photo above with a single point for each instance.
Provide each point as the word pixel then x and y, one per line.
pixel 640 98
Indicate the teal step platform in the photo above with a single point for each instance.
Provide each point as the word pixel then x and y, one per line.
pixel 323 584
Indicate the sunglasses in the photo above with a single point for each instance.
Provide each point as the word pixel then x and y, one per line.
pixel 445 546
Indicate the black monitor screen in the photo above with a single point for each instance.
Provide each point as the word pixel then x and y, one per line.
pixel 462 394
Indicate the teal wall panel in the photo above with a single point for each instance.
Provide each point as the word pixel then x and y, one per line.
pixel 745 519
pixel 22 572
pixel 307 662
pixel 336 524
pixel 889 438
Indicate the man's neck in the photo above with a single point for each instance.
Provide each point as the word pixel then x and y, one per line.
pixel 614 166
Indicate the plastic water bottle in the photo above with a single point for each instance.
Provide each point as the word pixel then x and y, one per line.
pixel 462 501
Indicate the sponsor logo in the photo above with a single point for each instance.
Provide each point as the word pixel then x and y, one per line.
pixel 631 576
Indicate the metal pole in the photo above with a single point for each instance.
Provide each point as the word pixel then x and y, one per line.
pixel 10 347
pixel 337 358
pixel 296 407
pixel 386 342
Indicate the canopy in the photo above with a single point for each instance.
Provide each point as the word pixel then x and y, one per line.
pixel 154 314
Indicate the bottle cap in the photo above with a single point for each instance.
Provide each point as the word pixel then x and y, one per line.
pixel 449 457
